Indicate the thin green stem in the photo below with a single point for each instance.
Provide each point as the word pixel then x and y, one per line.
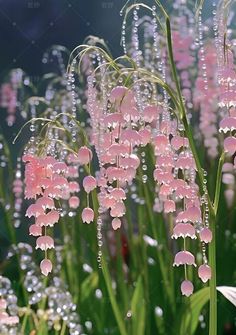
pixel 161 260
pixel 213 291
pixel 212 252
pixel 218 182
pixel 115 307
pixel 63 328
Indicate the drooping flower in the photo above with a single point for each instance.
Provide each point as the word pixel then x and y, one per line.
pixel 116 223
pixel 46 267
pixel 169 206
pixel 205 235
pixel 87 215
pixel 230 145
pixel 34 210
pixel 89 183
pixel 48 219
pixel 184 258
pixel 44 243
pixel 84 155
pixel 35 230
pixel 204 272
pixel 187 288
pixel 74 202
pixel 184 230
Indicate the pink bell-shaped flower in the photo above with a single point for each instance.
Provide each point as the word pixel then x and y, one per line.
pixel 89 183
pixel 84 155
pixel 118 194
pixel 205 235
pixel 48 219
pixel 204 272
pixel 45 202
pixel 165 190
pixel 184 230
pixel 34 210
pixel 145 136
pixel 230 145
pixel 228 124
pixel 35 230
pixel 74 202
pixel 193 214
pixel 59 167
pixel 187 288
pixel 112 120
pixel 169 206
pixel 46 266
pixel 184 258
pixel 74 186
pixel 44 243
pixel 118 93
pixel 116 223
pixel 87 215
pixel 151 113
pixel 118 209
pixel 161 143
pixel 178 141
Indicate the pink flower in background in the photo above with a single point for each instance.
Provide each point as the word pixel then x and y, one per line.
pixel 5 318
pixel 74 202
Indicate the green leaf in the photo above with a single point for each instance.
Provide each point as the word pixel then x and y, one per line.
pixel 113 300
pixel 138 309
pixel 190 316
pixel 89 284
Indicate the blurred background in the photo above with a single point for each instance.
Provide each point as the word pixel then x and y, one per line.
pixel 29 27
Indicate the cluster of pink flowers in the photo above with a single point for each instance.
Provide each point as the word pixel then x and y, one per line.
pixel 9 94
pixel 175 176
pixel 116 143
pixel 206 98
pixel 48 181
pixel 123 122
pixel 115 147
pixel 17 189
pixel 182 45
pixel 227 102
pixel 8 100
pixel 44 182
pixel 227 83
